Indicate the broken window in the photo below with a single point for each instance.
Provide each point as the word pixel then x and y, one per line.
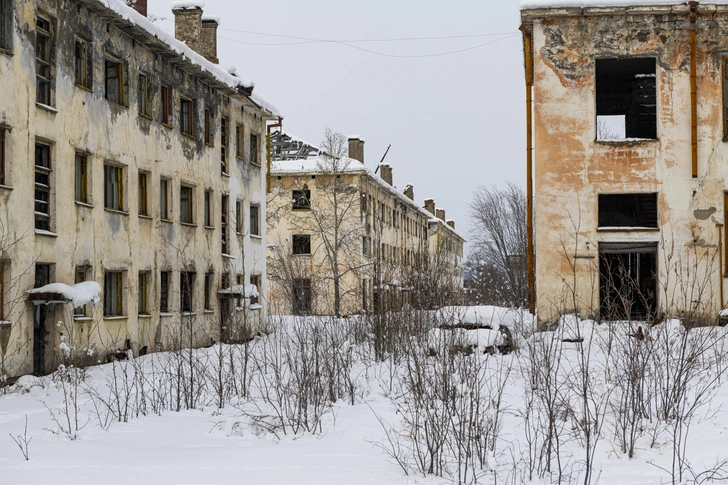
pixel 627 280
pixel 223 143
pixel 144 96
pixel 113 294
pixel 42 186
pixel 80 276
pixel 43 55
pixel 5 23
pixel 186 116
pixel 113 188
pixel 302 199
pixel 626 92
pixel 115 81
pixel 83 63
pixel 187 286
pixel 254 220
pixel 628 210
pixel 301 244
pixel 223 223
pixel 255 280
pixel 81 180
pixel 301 296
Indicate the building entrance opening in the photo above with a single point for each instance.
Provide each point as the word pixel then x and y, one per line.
pixel 627 281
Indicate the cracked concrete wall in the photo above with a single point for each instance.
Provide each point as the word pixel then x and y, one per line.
pixel 88 234
pixel 572 168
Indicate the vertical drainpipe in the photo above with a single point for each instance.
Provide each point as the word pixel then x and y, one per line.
pixel 528 54
pixel 693 88
pixel 720 267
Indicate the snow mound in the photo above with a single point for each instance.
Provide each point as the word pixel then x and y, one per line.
pixel 79 294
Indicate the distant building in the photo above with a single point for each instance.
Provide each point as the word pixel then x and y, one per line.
pixel 385 243
pixel 129 158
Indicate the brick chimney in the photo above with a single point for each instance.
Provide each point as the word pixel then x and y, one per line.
pixel 430 206
pixel 356 148
pixel 451 223
pixel 385 171
pixel 409 192
pixel 440 214
pixel 138 5
pixel 209 37
pixel 188 24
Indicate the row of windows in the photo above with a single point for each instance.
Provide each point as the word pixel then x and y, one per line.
pixel 116 90
pixel 115 198
pixel 117 300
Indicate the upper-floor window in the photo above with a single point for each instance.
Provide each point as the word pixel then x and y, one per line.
pixel 6 23
pixel 2 155
pixel 166 109
pixel 81 275
pixel 223 143
pixel 186 204
pixel 81 179
pixel 186 116
pixel 143 293
pixel 239 141
pixel 626 92
pixel 113 294
pixel 208 127
pixel 144 96
pixel 254 150
pixel 223 223
pixel 164 281
pixel 301 244
pixel 43 57
pixel 115 77
pixel 83 63
pixel 164 199
pixel 208 208
pixel 42 186
pixel 209 278
pixel 186 290
pixel 143 193
pixel 301 199
pixel 628 211
pixel 255 220
pixel 113 187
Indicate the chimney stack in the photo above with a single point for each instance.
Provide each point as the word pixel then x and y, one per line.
pixel 188 23
pixel 441 214
pixel 451 223
pixel 138 5
pixel 356 148
pixel 409 192
pixel 385 172
pixel 430 206
pixel 210 24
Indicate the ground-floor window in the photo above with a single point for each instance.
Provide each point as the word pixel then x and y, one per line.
pixel 627 280
pixel 301 296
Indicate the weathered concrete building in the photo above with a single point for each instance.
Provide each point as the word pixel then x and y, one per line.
pixel 129 158
pixel 322 209
pixel 630 173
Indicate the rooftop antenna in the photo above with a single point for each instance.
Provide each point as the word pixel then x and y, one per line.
pixel 383 157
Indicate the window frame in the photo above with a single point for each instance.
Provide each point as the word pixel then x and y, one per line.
pixel 114 201
pixel 209 279
pixel 143 192
pixel 4 269
pixel 165 278
pixel 186 291
pixel 240 141
pixel 209 141
pixel 114 294
pixel 602 211
pixel 165 111
pixel 43 219
pixel 299 195
pixel 144 95
pixel 3 166
pixel 111 62
pixel 81 178
pixel 44 62
pixel 6 25
pixel 164 205
pixel 239 213
pixel 143 293
pixel 83 63
pixel 187 116
pixel 254 149
pixel 224 203
pixel 254 218
pixel 207 212
pixel 256 279
pixel 224 143
pixel 300 243
pixel 186 204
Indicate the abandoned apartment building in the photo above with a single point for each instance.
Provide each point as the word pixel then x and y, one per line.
pixel 326 213
pixel 128 158
pixel 630 173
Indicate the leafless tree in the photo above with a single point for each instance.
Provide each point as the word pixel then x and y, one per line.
pixel 499 237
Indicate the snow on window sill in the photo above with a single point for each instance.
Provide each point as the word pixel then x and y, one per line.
pixel 144 315
pixel 225 255
pixel 116 317
pixel 82 318
pixel 43 232
pixel 189 314
pixel 84 204
pixel 256 236
pixel 116 211
pixel 46 107
pixel 626 141
pixel 146 216
pixel 5 322
pixel 165 314
pixel 208 312
pixel 628 229
pixel 256 306
pixel 5 187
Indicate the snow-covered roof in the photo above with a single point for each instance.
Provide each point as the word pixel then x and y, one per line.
pixel 538 4
pixel 187 4
pixel 128 14
pixel 79 294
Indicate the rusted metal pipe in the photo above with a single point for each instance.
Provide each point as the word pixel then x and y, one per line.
pixel 693 88
pixel 528 55
pixel 268 146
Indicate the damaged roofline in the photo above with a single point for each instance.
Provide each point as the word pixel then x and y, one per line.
pixel 668 8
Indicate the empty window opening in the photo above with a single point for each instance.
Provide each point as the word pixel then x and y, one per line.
pixel 302 199
pixel 626 99
pixel 301 244
pixel 42 186
pixel 627 280
pixel 255 281
pixel 115 82
pixel 187 286
pixel 301 296
pixel 628 211
pixel 44 57
pixel 223 223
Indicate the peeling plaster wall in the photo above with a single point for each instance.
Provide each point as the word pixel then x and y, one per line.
pixel 83 120
pixel 571 168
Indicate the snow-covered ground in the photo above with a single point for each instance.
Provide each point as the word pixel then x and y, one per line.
pixel 242 443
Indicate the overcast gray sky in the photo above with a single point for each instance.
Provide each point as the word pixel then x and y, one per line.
pixel 454 121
